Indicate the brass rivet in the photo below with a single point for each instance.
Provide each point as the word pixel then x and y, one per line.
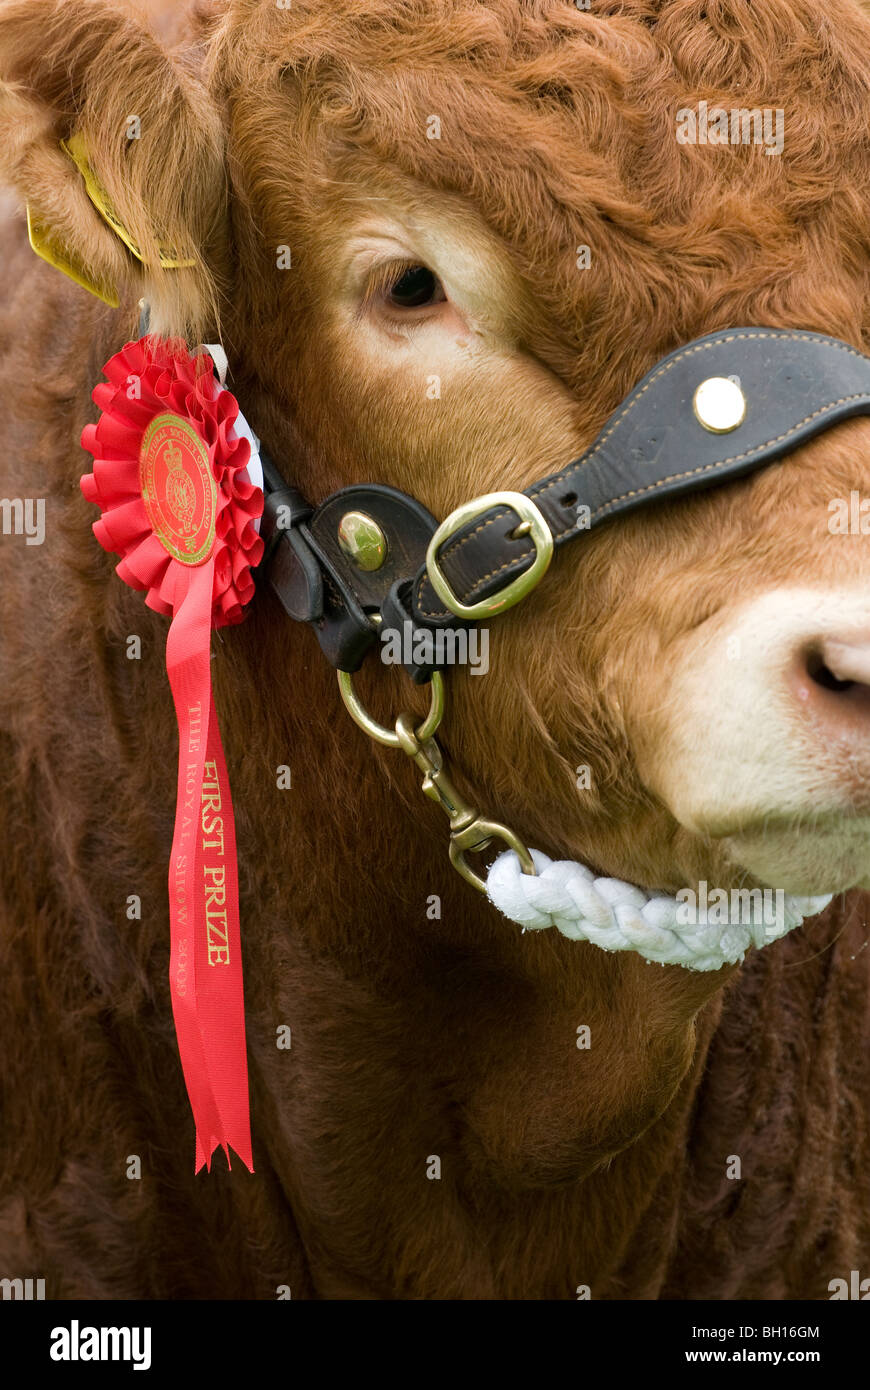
pixel 719 405
pixel 362 540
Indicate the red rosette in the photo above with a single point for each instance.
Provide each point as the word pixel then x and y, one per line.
pixel 170 479
pixel 147 379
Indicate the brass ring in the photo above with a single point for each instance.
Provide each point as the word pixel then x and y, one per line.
pixel 379 732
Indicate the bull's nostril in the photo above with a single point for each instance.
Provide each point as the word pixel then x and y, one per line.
pixel 831 681
pixel 847 661
pixel 822 675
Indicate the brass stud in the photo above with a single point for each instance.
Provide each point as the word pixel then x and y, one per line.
pixel 362 540
pixel 719 405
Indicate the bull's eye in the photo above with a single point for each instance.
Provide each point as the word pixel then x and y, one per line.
pixel 414 288
pixel 403 295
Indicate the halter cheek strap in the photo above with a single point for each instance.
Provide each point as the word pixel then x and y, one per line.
pixel 719 408
pixel 724 406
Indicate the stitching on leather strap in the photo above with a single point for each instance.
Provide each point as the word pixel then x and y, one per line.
pixel 458 544
pixel 429 612
pixel 688 352
pixel 722 463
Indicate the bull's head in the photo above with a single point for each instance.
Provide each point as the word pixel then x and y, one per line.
pixel 441 242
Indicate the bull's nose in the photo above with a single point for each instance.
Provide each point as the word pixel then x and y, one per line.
pixel 761 735
pixel 833 683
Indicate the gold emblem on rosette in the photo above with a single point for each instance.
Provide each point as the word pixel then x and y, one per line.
pixel 178 488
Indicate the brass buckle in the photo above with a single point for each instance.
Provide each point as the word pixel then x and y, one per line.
pixel 533 524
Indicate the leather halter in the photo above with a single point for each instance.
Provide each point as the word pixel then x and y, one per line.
pixel 487 555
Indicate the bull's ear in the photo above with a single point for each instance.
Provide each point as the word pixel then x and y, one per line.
pixel 117 150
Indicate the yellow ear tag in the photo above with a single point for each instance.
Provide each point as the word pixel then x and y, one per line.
pixel 62 259
pixel 49 251
pixel 77 151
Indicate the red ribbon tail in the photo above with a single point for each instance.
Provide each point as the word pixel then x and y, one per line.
pixel 220 1004
pixel 205 961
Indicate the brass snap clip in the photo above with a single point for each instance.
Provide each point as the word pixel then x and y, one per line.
pixel 470 832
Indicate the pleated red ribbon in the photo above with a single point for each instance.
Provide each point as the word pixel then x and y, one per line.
pixel 170 478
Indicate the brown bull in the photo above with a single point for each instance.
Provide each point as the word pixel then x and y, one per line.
pixel 386 203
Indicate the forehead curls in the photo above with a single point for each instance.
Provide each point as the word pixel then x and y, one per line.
pixel 557 127
pixel 532 118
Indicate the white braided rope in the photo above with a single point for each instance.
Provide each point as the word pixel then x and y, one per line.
pixel 619 917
